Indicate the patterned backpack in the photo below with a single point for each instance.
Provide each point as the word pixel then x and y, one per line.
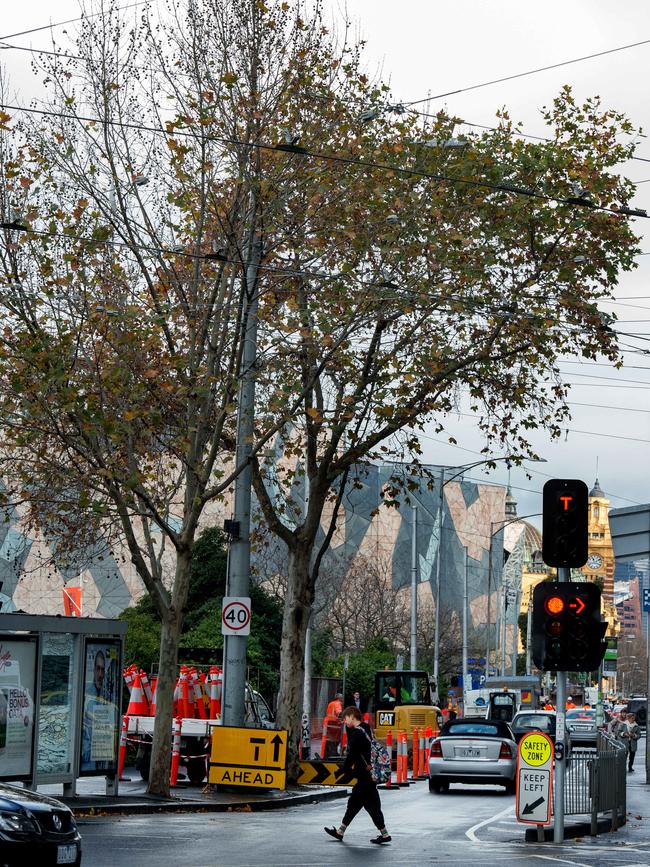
pixel 379 766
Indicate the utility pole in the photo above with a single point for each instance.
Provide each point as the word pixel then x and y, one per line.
pixel 515 632
pixel 489 605
pixel 529 631
pixel 563 575
pixel 465 613
pixel 305 727
pixel 436 646
pixel 239 561
pixel 414 590
pixel 504 626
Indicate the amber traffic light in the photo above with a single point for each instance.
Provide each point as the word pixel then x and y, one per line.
pixel 567 629
pixel 564 526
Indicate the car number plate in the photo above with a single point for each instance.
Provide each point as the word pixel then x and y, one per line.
pixel 470 754
pixel 66 854
pixel 581 728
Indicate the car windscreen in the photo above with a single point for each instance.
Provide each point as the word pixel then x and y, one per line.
pixel 581 714
pixel 466 728
pixel 536 721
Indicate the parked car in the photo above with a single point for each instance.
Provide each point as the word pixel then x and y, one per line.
pixel 539 720
pixel 36 829
pixel 473 750
pixel 581 723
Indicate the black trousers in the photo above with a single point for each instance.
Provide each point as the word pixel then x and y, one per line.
pixel 631 755
pixel 365 796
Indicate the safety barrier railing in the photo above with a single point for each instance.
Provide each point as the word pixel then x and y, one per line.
pixel 596 780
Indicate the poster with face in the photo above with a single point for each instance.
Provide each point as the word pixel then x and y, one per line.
pixel 17 682
pixel 100 721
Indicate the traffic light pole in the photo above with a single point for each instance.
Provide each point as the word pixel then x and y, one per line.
pixel 563 575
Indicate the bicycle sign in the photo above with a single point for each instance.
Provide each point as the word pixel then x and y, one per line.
pixel 236 615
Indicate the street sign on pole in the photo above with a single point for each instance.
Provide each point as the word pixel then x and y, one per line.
pixel 236 615
pixel 535 779
pixel 248 757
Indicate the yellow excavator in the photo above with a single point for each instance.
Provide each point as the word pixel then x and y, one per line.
pixel 403 701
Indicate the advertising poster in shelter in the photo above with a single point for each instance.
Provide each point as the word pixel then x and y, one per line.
pixel 100 723
pixel 17 686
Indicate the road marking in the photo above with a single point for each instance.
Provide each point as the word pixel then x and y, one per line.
pixel 562 860
pixel 471 833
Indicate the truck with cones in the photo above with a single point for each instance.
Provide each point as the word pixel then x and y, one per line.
pixel 197 708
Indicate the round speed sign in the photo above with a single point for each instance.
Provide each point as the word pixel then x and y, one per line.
pixel 236 615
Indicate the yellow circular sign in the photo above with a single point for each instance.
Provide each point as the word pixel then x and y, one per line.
pixel 535 750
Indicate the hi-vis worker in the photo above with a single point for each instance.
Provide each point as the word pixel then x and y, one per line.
pixel 335 707
pixel 570 703
pixel 547 704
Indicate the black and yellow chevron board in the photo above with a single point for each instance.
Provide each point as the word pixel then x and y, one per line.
pixel 323 774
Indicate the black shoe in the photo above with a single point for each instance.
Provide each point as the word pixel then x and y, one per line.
pixel 381 839
pixel 333 832
pixel 630 770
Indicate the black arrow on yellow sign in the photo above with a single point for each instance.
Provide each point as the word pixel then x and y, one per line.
pixel 324 774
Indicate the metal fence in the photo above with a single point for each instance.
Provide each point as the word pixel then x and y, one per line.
pixel 596 781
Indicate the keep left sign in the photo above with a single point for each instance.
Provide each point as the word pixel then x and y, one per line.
pixel 535 779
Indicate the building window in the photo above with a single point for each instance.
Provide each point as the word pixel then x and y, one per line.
pixel 596 511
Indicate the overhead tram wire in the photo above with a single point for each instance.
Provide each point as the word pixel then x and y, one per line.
pixel 73 20
pixel 514 133
pixel 528 72
pixel 341 159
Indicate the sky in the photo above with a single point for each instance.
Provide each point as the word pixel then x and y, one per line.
pixel 424 48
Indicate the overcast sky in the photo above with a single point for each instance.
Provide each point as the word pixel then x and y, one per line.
pixel 427 47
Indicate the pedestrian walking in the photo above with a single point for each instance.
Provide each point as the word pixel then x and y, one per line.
pixel 630 734
pixel 616 724
pixel 358 702
pixel 364 793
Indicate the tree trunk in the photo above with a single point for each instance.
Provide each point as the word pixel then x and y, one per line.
pixel 162 738
pixel 297 609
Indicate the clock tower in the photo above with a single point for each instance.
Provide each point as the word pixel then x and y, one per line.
pixel 600 563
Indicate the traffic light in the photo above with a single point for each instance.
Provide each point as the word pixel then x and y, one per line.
pixel 564 526
pixel 567 629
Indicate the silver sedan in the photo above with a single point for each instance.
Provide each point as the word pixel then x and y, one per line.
pixel 581 722
pixel 473 750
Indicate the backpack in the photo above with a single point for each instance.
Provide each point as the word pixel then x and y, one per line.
pixel 379 767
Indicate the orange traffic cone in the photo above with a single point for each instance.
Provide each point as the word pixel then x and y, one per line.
pixel 137 702
pixel 198 696
pixel 146 688
pixel 216 681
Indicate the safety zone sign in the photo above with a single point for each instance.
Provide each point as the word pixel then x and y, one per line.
pixel 248 757
pixel 236 615
pixel 535 779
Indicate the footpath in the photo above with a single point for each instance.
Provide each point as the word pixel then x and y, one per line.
pixel 186 797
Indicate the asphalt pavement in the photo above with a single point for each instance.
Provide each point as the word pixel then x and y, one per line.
pixel 469 825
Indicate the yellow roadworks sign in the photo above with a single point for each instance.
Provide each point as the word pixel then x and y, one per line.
pixel 248 757
pixel 323 774
pixel 535 750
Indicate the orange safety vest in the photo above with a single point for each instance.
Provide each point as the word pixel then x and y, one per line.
pixel 334 708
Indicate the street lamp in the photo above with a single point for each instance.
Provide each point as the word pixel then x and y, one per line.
pixel 503 524
pixel 443 483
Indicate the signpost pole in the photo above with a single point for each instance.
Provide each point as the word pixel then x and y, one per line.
pixel 647 728
pixel 563 574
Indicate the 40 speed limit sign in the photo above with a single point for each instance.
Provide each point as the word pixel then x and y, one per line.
pixel 236 615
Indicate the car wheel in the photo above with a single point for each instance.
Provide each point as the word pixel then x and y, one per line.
pixel 511 787
pixel 436 787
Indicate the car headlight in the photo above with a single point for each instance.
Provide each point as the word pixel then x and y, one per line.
pixel 18 822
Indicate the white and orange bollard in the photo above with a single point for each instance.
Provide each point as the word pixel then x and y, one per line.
pixel 389 785
pixel 137 704
pixel 415 761
pixel 122 753
pixel 424 764
pixel 146 688
pixel 403 759
pixel 176 752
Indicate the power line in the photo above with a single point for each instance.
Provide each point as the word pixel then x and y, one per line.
pixel 528 72
pixel 343 160
pixel 72 20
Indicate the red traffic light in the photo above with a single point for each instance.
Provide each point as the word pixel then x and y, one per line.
pixel 577 605
pixel 554 605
